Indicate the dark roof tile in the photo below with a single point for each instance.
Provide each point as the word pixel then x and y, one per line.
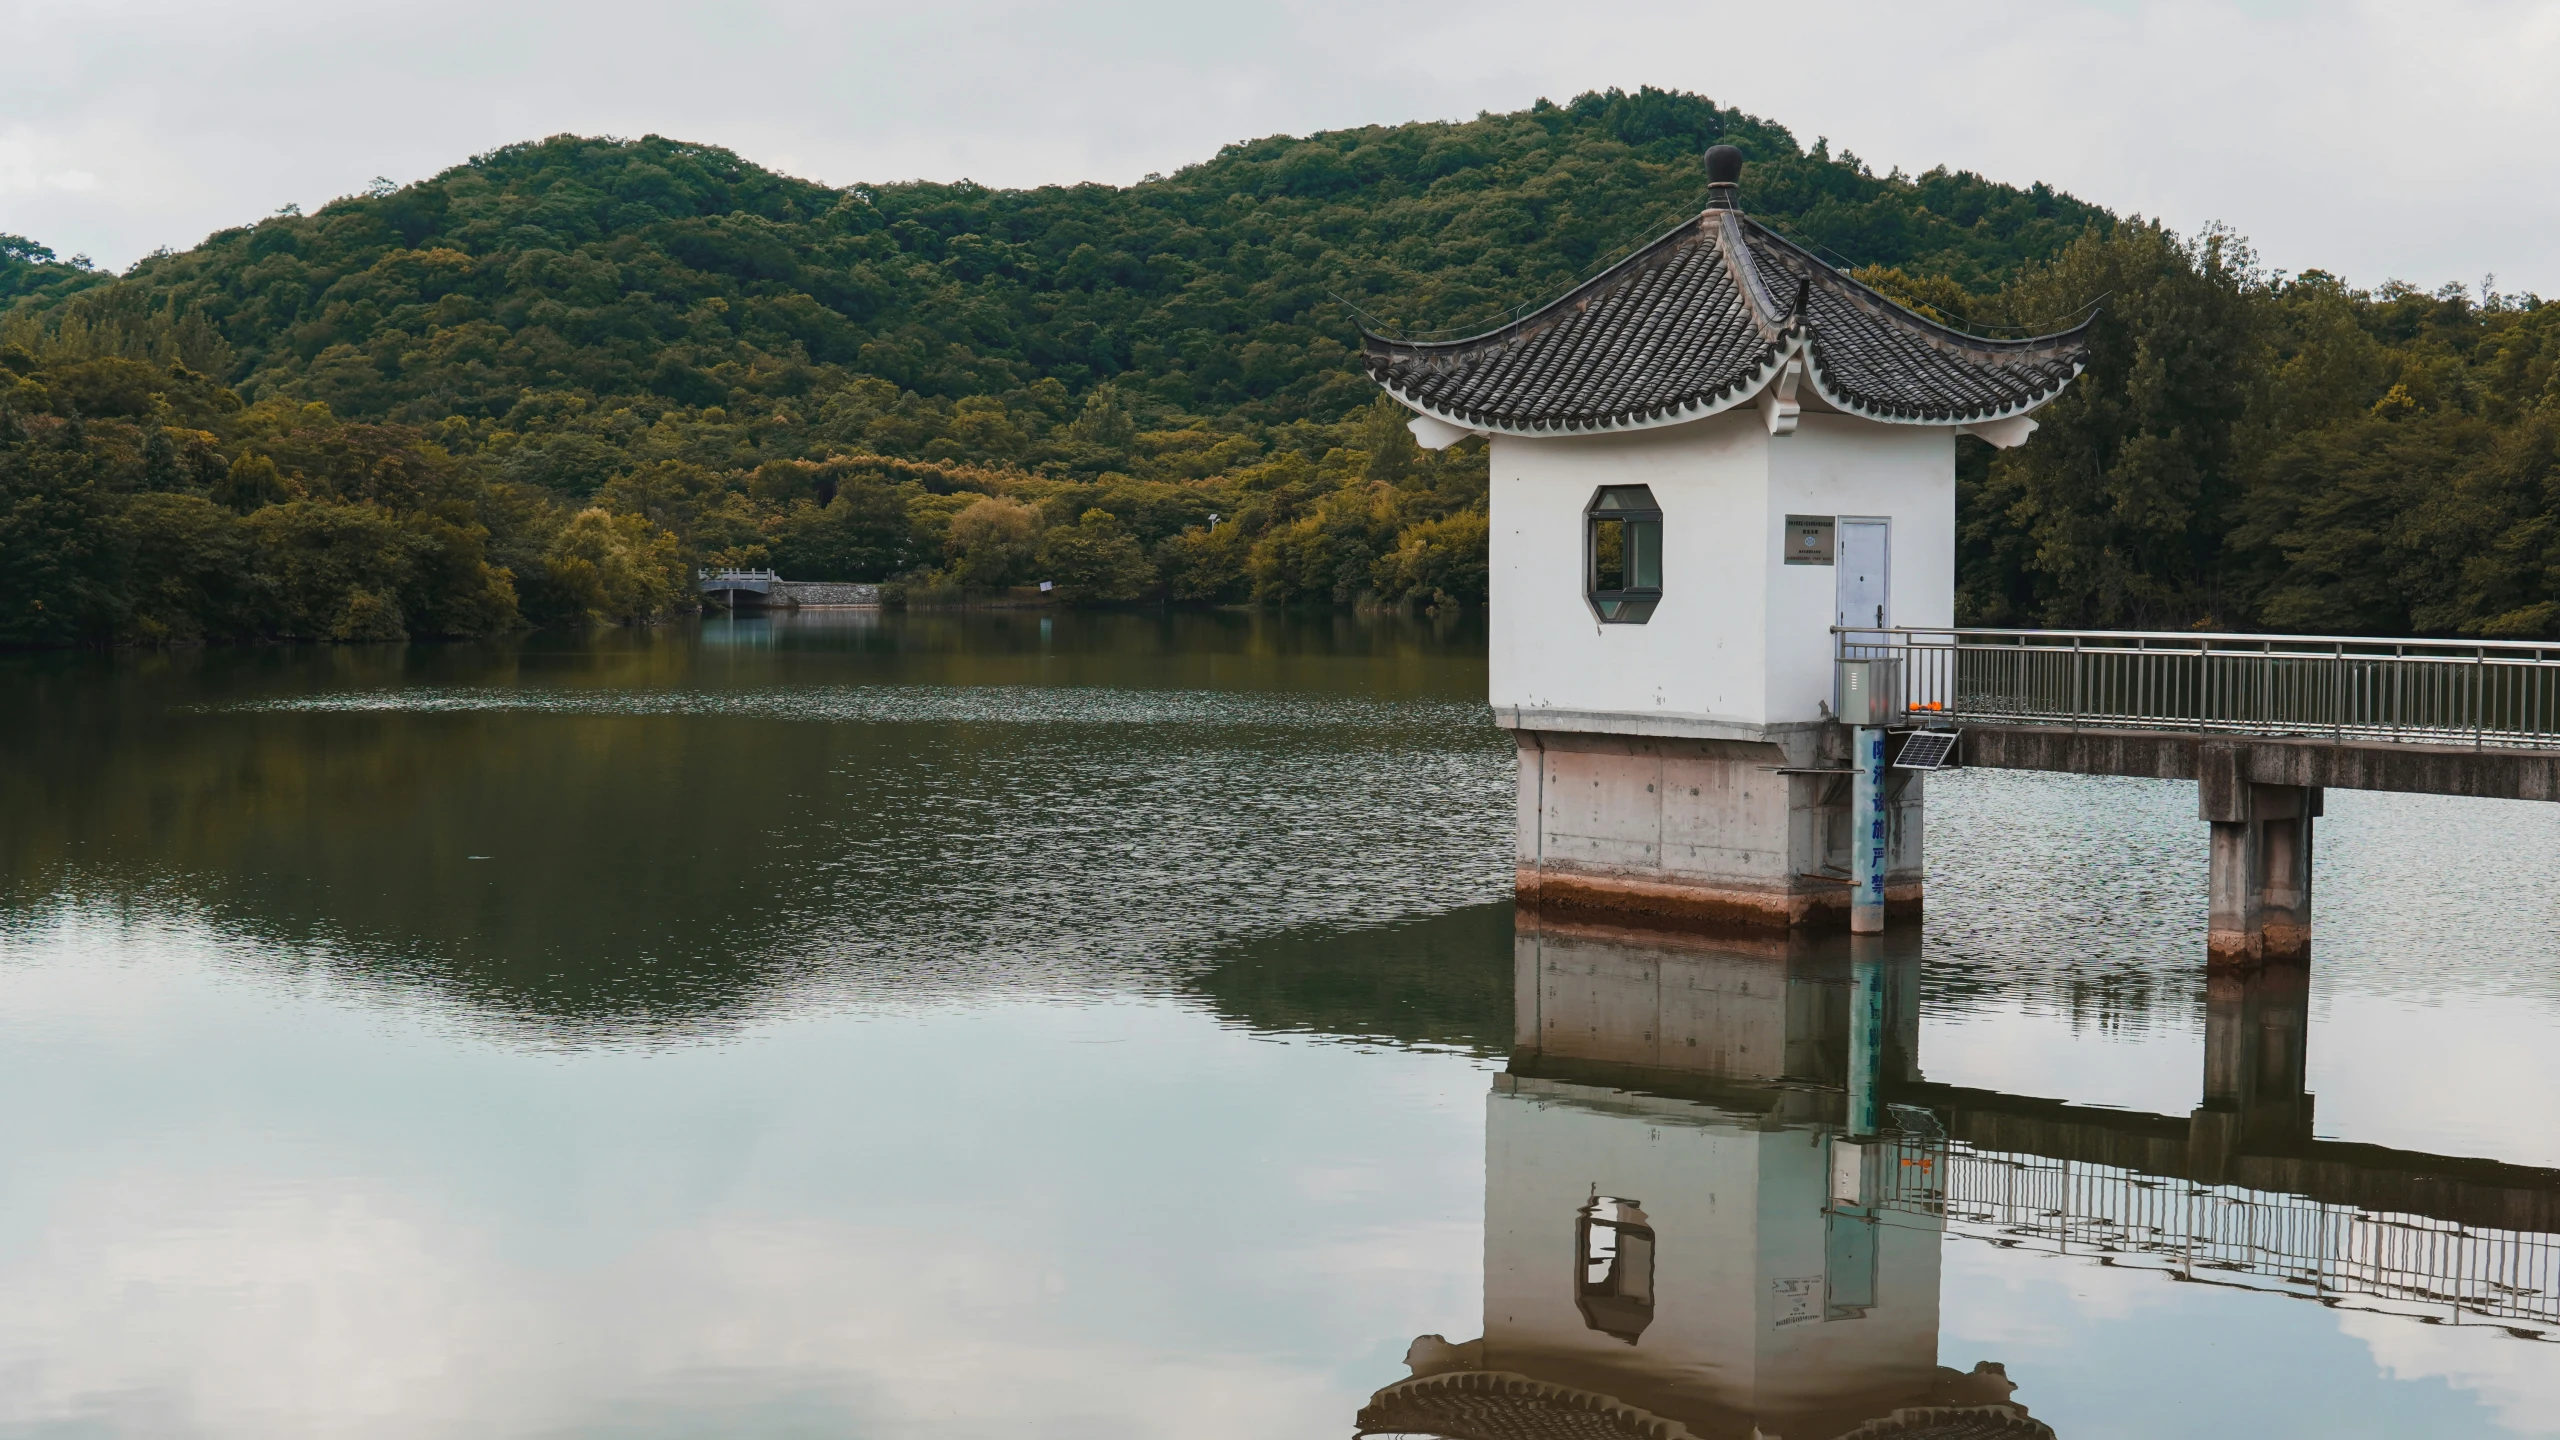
pixel 1700 320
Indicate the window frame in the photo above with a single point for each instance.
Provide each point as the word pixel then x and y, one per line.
pixel 1630 605
pixel 1620 1302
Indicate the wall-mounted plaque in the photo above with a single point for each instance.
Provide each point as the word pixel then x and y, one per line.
pixel 1808 540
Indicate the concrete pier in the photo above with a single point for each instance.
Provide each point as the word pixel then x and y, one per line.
pixel 2260 881
pixel 1754 832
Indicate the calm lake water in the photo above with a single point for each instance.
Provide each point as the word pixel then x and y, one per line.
pixel 977 1025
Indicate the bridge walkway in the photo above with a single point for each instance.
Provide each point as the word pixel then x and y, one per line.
pixel 2263 724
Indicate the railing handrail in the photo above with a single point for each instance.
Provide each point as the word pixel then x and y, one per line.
pixel 2433 692
pixel 2207 638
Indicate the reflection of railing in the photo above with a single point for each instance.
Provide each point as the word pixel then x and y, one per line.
pixel 2435 692
pixel 2254 1238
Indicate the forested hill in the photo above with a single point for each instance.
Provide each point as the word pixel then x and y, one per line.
pixel 678 273
pixel 542 384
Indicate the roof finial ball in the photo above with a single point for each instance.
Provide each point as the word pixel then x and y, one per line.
pixel 1724 176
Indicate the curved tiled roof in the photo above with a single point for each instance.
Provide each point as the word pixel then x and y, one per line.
pixel 1500 1405
pixel 1702 320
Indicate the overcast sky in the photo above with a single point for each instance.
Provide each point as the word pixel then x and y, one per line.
pixel 2411 141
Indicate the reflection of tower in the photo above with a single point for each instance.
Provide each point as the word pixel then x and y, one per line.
pixel 1778 1275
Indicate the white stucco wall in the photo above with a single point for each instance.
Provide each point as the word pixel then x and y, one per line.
pixel 1699 1186
pixel 1736 1208
pixel 1849 468
pixel 1739 638
pixel 1700 654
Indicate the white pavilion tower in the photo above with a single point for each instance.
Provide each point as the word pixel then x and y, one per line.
pixel 1704 459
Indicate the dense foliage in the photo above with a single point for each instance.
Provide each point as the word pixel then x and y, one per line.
pixel 2259 451
pixel 544 384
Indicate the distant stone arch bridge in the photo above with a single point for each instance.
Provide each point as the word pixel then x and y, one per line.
pixel 763 589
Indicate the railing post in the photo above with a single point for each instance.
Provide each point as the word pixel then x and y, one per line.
pixel 2399 688
pixel 2479 694
pixel 2079 683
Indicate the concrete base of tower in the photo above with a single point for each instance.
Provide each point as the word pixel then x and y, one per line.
pixel 1749 831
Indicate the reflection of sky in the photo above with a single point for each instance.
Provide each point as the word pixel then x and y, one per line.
pixel 257 1209
pixel 2434 985
pixel 2433 1002
pixel 2102 1353
pixel 244 1200
pixel 2460 1076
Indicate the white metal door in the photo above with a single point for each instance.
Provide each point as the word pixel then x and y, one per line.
pixel 1866 553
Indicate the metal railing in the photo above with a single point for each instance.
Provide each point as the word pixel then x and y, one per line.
pixel 2433 692
pixel 2231 1235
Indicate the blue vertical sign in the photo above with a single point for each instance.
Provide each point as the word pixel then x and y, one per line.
pixel 1866 1036
pixel 1867 833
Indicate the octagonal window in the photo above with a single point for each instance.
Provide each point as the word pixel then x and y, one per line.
pixel 1624 542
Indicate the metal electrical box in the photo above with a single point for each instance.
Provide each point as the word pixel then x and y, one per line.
pixel 1868 692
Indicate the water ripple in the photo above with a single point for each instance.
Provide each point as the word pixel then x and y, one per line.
pixel 907 705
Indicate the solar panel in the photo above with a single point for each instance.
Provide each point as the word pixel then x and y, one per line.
pixel 1926 750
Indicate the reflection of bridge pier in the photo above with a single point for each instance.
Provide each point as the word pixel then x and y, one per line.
pixel 2256 1033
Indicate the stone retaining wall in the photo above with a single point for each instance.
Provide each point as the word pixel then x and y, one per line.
pixel 819 592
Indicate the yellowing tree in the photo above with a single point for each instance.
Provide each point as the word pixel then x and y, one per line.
pixel 616 567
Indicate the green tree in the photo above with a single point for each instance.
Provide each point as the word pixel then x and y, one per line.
pixel 1329 556
pixel 329 572
pixel 993 542
pixel 57 564
pixel 2115 514
pixel 621 568
pixel 1093 560
pixel 862 534
pixel 251 482
pixel 189 563
pixel 1438 562
pixel 1207 563
pixel 757 369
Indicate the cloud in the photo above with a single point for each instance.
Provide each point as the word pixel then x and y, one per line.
pixel 2302 125
pixel 29 162
pixel 246 1199
pixel 2514 1378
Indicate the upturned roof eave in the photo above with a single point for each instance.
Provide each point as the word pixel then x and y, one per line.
pixel 1759 378
pixel 1816 373
pixel 1743 391
pixel 1911 319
